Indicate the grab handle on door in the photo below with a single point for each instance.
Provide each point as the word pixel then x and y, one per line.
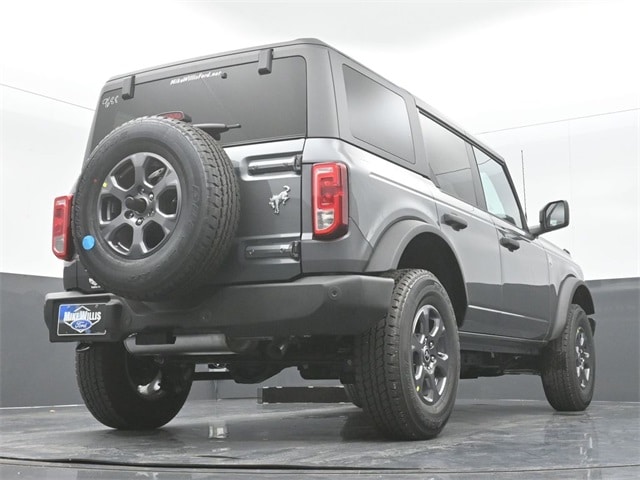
pixel 454 221
pixel 509 243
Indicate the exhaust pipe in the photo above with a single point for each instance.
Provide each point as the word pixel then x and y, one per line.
pixel 203 344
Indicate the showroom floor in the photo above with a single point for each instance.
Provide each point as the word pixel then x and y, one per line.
pixel 242 439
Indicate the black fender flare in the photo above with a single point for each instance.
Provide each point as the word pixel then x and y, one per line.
pixel 568 289
pixel 392 243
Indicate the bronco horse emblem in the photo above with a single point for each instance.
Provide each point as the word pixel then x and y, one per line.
pixel 278 200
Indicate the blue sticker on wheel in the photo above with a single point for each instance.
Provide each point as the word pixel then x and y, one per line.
pixel 88 242
pixel 81 319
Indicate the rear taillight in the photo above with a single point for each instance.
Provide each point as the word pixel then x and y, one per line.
pixel 61 235
pixel 330 200
pixel 176 116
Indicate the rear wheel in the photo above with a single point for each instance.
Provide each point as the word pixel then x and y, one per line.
pixel 408 365
pixel 130 392
pixel 569 364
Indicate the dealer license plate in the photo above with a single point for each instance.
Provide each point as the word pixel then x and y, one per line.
pixel 82 319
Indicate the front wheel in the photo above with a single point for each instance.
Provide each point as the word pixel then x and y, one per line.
pixel 130 392
pixel 569 364
pixel 408 364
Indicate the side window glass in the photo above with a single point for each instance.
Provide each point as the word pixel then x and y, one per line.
pixel 377 115
pixel 498 194
pixel 447 155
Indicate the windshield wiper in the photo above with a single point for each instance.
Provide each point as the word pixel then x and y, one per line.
pixel 215 129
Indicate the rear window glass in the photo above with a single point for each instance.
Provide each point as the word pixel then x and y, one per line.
pixel 271 106
pixel 377 115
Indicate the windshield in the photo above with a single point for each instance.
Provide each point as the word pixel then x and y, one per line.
pixel 271 106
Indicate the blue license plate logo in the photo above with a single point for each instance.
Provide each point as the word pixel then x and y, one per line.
pixel 81 319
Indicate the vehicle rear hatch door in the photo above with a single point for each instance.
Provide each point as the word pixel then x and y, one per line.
pixel 266 112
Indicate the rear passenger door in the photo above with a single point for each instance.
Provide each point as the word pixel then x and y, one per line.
pixel 524 263
pixel 468 227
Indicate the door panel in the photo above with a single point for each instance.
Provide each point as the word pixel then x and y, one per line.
pixel 525 283
pixel 473 237
pixel 468 228
pixel 524 270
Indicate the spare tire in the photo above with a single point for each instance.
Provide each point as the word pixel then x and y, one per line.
pixel 156 209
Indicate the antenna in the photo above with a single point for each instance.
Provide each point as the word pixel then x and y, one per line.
pixel 524 187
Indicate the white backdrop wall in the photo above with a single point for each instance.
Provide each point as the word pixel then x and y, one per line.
pixel 568 69
pixel 593 162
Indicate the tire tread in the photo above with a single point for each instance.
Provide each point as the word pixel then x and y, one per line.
pixel 557 373
pixel 109 396
pixel 217 224
pixel 378 365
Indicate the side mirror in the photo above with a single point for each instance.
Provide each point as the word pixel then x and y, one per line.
pixel 553 216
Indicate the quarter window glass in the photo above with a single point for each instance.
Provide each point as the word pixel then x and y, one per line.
pixel 498 194
pixel 377 115
pixel 449 160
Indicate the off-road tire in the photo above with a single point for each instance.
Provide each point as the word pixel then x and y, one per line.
pixel 108 377
pixel 206 217
pixel 567 387
pixel 352 394
pixel 384 361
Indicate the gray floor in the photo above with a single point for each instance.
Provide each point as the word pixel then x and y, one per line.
pixel 241 439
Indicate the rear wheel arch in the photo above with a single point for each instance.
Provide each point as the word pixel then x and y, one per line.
pixel 416 244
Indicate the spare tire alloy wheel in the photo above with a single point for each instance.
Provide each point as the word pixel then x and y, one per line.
pixel 156 209
pixel 139 204
pixel 408 365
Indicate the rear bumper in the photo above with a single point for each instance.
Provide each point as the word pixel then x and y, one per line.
pixel 322 305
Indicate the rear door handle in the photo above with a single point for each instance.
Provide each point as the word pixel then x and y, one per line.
pixel 454 221
pixel 509 243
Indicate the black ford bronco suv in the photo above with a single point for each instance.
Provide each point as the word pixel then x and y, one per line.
pixel 285 206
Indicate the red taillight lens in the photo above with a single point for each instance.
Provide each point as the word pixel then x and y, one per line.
pixel 176 116
pixel 330 200
pixel 61 235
